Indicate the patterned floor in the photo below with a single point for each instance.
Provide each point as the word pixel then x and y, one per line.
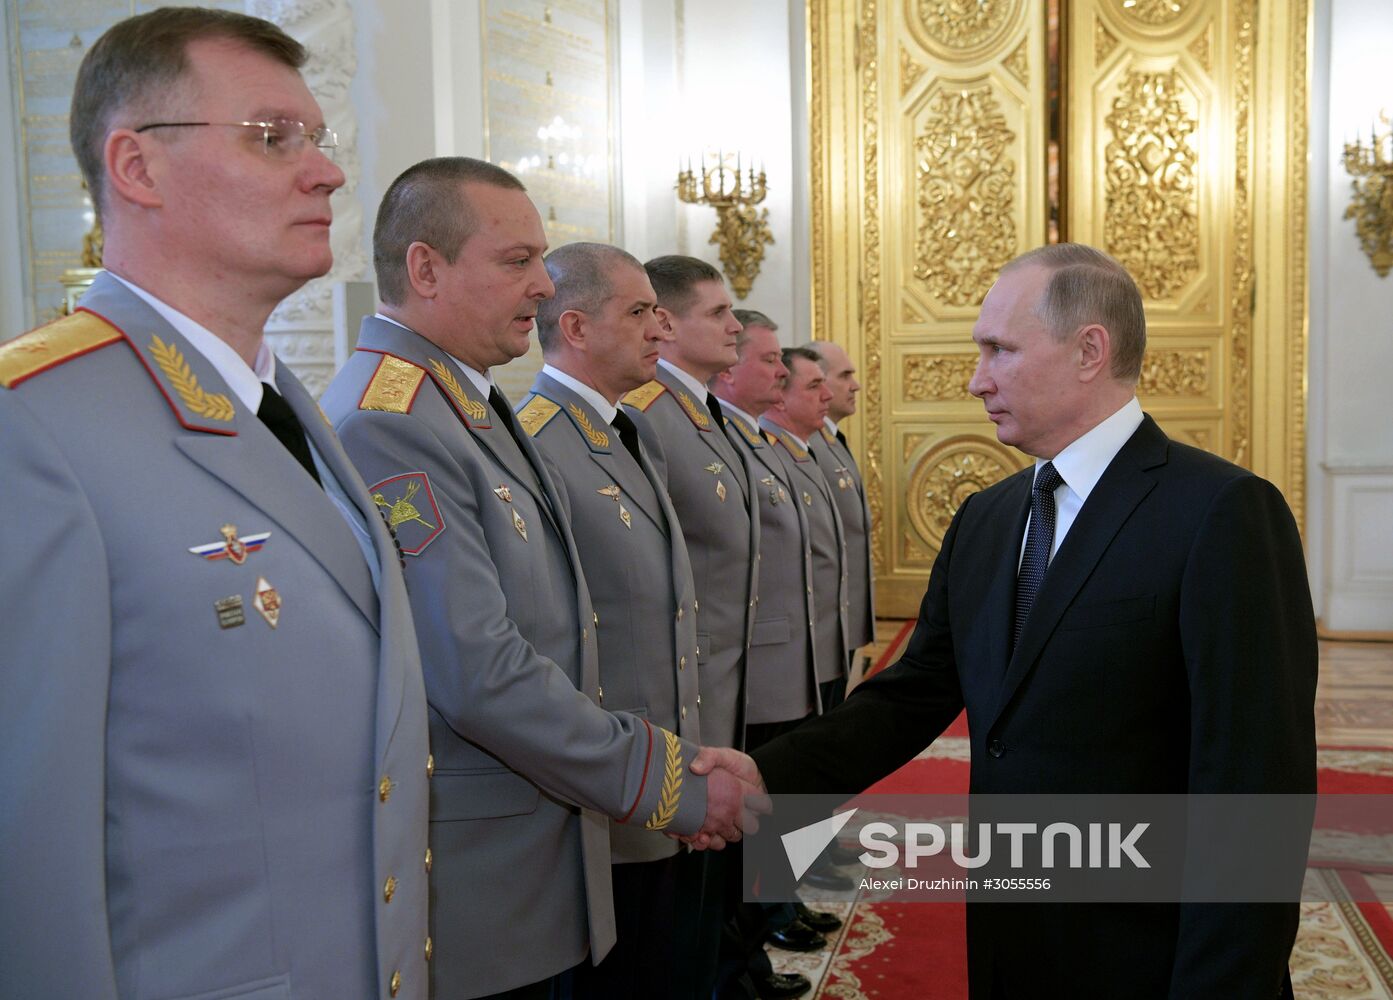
pixel 1336 954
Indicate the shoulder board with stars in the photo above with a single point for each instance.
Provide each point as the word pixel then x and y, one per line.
pixel 51 345
pixel 642 397
pixel 393 387
pixel 536 413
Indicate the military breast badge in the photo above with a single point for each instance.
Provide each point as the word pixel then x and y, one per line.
pixel 232 547
pixel 410 508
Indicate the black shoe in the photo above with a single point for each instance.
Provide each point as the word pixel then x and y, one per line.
pixel 838 855
pixel 817 919
pixel 797 936
pixel 828 880
pixel 780 985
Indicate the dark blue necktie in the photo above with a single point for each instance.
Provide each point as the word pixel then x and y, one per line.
pixel 1038 540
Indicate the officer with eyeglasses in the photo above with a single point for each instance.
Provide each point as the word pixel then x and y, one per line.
pixel 213 738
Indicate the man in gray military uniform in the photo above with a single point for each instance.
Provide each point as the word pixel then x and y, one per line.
pixel 790 424
pixel 834 458
pixel 680 424
pixel 599 336
pixel 529 761
pixel 212 717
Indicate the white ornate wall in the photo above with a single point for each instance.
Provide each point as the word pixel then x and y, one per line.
pixel 1349 529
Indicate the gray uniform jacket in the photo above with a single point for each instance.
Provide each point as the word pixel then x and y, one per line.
pixel 782 675
pixel 631 549
pixel 710 489
pixel 213 755
pixel 521 884
pixel 828 541
pixel 844 479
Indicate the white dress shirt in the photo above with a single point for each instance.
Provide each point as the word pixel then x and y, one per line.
pixel 699 391
pixel 1081 464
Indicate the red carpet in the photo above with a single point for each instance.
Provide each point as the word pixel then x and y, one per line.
pixel 899 951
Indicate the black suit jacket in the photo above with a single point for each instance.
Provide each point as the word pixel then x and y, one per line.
pixel 1171 649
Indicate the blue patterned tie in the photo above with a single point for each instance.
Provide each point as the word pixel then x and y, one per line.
pixel 1038 540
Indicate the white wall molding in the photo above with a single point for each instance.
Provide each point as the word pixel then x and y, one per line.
pixel 1359 592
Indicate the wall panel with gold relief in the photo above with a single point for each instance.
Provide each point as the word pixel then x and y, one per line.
pixel 931 130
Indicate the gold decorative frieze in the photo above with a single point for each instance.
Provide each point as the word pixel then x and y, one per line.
pixel 1018 62
pixel 1153 13
pixel 1203 46
pixel 910 71
pixel 967 229
pixel 947 475
pixel 929 378
pixel 1151 223
pixel 1240 402
pixel 1175 373
pixel 874 473
pixel 1104 41
pixel 961 29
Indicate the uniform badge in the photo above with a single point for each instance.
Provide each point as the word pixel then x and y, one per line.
pixel 715 469
pixel 808 499
pixel 411 511
pixel 843 477
pixel 231 547
pixel 776 493
pixel 267 602
pixel 614 493
pixel 503 493
pixel 229 611
pixel 519 524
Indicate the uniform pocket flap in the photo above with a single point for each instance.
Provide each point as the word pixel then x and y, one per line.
pixel 770 631
pixel 480 795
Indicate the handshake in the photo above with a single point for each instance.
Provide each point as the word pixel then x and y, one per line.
pixel 735 798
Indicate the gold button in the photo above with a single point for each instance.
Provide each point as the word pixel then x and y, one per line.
pixel 594 618
pixel 681 663
pixel 696 605
pixel 384 788
pixel 429 858
pixel 698 651
pixel 601 691
pixel 430 765
pixel 684 711
pixel 389 888
pixel 698 701
pixel 430 949
pixel 584 634
pixel 395 984
pixel 679 614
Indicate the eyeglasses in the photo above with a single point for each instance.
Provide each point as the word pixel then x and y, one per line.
pixel 281 139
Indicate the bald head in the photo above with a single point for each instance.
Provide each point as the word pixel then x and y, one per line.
pixel 841 378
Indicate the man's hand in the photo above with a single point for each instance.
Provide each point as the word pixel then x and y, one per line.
pixel 735 796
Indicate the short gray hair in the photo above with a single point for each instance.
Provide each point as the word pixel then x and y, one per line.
pixel 580 272
pixel 748 318
pixel 1087 286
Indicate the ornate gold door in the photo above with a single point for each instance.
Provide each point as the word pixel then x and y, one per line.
pixel 1174 139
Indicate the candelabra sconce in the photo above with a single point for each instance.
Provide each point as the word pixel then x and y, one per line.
pixel 742 230
pixel 1371 166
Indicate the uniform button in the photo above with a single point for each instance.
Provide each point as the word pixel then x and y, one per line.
pixel 679 614
pixel 429 858
pixel 395 985
pixel 756 598
pixel 384 788
pixel 696 605
pixel 430 949
pixel 752 603
pixel 389 888
pixel 601 693
pixel 698 701
pixel 594 618
pixel 430 765
pixel 584 634
pixel 684 711
pixel 996 748
pixel 681 663
pixel 810 590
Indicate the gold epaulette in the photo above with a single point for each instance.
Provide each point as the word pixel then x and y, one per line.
pixel 536 413
pixel 393 387
pixel 828 436
pixel 702 421
pixel 642 397
pixel 51 345
pixel 749 435
pixel 769 436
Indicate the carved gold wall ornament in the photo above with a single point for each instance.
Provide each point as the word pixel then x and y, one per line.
pixel 1370 164
pixel 1241 302
pixel 873 474
pixel 967 227
pixel 1175 373
pixel 930 378
pixel 1018 62
pixel 1151 222
pixel 910 71
pixel 947 475
pixel 1153 12
pixel 959 29
pixel 1203 46
pixel 1104 41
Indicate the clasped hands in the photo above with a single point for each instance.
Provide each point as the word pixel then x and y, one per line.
pixel 735 797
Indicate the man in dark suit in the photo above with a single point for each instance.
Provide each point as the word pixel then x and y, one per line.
pixel 1130 615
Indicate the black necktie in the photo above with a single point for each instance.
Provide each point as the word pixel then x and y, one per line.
pixel 1038 541
pixel 842 438
pixel 281 421
pixel 628 433
pixel 714 405
pixel 505 416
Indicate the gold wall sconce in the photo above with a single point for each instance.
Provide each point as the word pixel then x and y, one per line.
pixel 742 231
pixel 1371 166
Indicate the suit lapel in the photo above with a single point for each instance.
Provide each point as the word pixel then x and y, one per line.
pixel 1122 487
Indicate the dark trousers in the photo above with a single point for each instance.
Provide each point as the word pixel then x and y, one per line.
pixel 642 960
pixel 701 893
pixel 558 987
